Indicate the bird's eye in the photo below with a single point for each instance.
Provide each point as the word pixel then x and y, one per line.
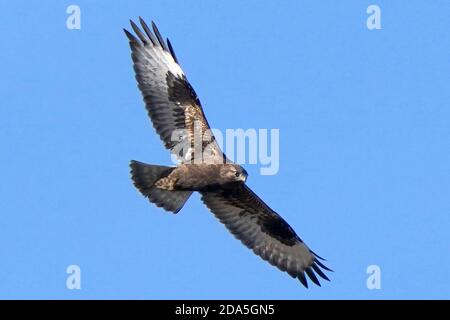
pixel 237 174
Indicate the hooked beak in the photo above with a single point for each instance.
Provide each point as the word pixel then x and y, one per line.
pixel 244 176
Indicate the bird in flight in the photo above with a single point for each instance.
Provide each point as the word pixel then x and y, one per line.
pixel 177 116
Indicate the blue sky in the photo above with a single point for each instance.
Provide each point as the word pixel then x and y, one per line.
pixel 364 123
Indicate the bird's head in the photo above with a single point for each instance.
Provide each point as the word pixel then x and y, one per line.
pixel 233 173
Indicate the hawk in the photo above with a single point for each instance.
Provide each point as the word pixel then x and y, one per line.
pixel 176 114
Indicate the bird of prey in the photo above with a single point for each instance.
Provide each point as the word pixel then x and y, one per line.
pixel 176 113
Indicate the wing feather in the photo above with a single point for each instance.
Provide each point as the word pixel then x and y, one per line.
pixel 261 229
pixel 170 100
pixel 148 32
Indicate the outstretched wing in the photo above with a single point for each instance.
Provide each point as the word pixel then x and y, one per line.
pixel 261 229
pixel 171 102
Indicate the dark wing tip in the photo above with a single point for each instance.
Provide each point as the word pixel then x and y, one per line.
pixel 317 256
pixel 319 272
pixel 149 38
pixel 311 272
pixel 138 32
pixel 159 37
pixel 130 36
pixel 172 52
pixel 154 27
pixel 322 265
pixel 148 32
pixel 312 276
pixel 302 278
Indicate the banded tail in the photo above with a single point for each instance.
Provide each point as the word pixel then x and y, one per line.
pixel 144 177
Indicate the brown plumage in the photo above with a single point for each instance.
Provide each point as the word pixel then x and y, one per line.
pixel 177 116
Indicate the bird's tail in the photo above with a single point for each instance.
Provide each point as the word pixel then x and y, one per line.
pixel 144 177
